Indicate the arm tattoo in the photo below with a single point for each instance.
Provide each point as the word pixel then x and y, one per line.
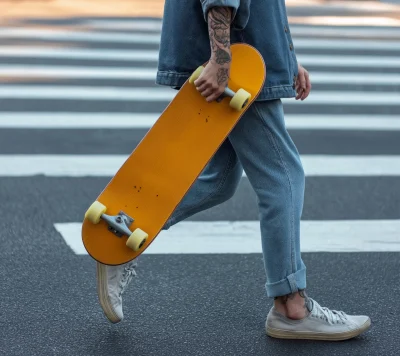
pixel 222 75
pixel 222 57
pixel 219 19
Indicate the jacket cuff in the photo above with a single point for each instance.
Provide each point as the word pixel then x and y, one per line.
pixel 208 4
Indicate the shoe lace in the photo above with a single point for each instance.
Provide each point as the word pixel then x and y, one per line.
pixel 127 275
pixel 331 316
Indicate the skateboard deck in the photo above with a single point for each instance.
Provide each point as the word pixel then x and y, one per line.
pixel 135 205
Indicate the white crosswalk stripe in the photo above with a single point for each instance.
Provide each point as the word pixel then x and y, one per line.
pixel 42 73
pixel 60 35
pixel 78 53
pixel 64 120
pixel 244 237
pixel 79 93
pixel 120 73
pixel 108 165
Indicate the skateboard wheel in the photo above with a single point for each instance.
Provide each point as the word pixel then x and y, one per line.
pixel 93 214
pixel 196 74
pixel 240 99
pixel 136 240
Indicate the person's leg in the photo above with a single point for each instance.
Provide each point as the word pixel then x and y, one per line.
pixel 216 184
pixel 273 166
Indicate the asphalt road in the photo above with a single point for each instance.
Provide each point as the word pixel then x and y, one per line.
pixel 189 304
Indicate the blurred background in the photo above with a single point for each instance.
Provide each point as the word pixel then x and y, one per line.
pixel 77 94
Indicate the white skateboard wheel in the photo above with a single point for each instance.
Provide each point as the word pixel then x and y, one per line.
pixel 196 74
pixel 93 214
pixel 137 239
pixel 240 99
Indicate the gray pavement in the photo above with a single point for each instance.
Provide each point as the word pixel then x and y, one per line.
pixel 185 304
pixel 84 141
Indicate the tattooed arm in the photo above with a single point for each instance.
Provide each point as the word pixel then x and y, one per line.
pixel 214 79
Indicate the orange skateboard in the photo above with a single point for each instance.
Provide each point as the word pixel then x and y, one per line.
pixel 135 205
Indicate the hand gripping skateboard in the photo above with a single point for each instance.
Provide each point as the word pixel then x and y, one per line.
pixel 135 205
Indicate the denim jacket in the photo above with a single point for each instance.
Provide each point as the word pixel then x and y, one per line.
pixel 185 43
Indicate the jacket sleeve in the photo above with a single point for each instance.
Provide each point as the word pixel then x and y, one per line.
pixel 240 10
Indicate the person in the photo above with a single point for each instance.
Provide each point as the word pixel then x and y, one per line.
pixel 194 32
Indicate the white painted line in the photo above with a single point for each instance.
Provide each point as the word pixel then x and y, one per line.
pixel 346 44
pixel 347 98
pixel 342 122
pixel 382 23
pixel 121 73
pixel 79 53
pixel 243 237
pixel 78 36
pixel 155 25
pixel 166 95
pixel 147 25
pixel 108 165
pixel 322 31
pixel 363 6
pixel 379 22
pixel 46 120
pixel 42 71
pixel 66 120
pixel 86 93
pixel 321 165
pixel 351 61
pixel 153 56
pixel 128 37
pixel 354 78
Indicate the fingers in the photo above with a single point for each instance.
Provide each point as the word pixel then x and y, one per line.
pixel 200 80
pixel 210 90
pixel 300 84
pixel 308 86
pixel 207 93
pixel 211 83
pixel 214 93
pixel 303 85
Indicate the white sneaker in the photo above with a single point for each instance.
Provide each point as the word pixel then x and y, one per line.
pixel 321 324
pixel 111 283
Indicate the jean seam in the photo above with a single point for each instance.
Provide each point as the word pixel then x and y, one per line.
pixel 219 187
pixel 266 128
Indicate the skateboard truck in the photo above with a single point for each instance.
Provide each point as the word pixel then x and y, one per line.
pixel 230 93
pixel 239 99
pixel 119 225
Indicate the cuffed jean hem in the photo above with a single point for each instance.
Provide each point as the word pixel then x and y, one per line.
pixel 291 284
pixel 170 222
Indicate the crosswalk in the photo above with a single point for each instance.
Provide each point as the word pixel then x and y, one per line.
pixel 92 84
pixel 82 165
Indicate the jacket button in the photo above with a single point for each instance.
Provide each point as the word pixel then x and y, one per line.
pixel 291 47
pixel 286 30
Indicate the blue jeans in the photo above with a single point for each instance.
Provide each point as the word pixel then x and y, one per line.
pixel 261 145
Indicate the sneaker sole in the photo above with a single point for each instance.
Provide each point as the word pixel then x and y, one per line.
pixel 284 334
pixel 101 273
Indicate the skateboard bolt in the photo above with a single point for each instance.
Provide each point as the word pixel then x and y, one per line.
pixel 119 219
